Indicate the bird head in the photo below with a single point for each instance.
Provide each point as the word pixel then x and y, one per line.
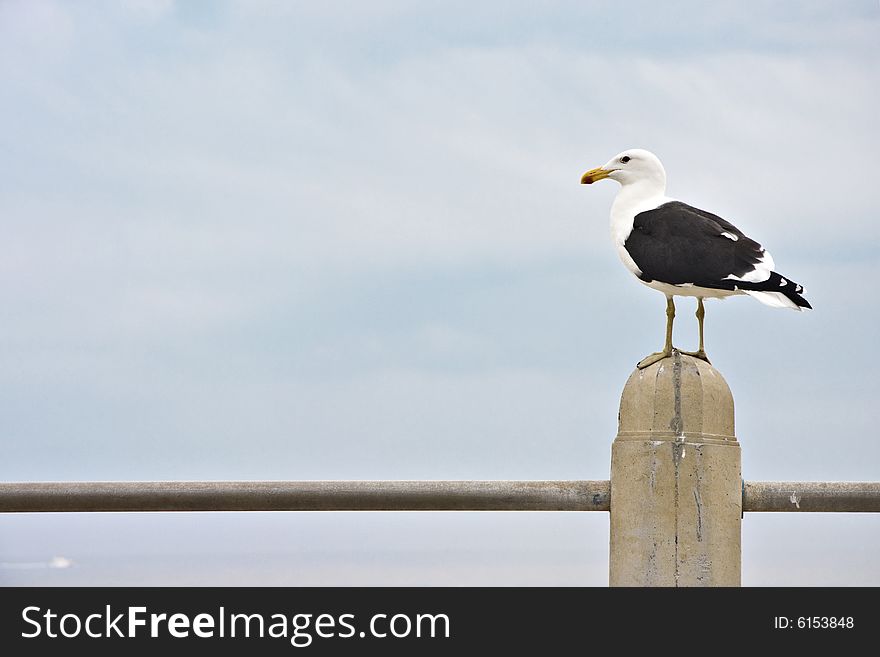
pixel 630 166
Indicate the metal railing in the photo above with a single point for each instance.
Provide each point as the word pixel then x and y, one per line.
pixel 824 496
pixel 574 495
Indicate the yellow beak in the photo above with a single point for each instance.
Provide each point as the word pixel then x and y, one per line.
pixel 593 175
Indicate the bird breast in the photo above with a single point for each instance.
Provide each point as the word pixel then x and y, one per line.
pixel 623 212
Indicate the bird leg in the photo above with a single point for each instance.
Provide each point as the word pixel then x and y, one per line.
pixel 667 346
pixel 701 352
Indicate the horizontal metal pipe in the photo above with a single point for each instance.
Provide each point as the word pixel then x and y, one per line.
pixel 762 496
pixel 305 496
pixel 845 496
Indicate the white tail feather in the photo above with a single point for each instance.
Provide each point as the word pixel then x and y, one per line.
pixel 774 299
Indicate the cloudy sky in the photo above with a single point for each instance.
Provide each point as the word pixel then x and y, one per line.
pixel 342 240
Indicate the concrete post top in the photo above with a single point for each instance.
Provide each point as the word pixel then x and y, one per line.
pixel 680 398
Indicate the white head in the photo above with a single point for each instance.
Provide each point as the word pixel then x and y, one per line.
pixel 632 166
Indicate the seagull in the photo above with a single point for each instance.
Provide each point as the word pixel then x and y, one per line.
pixel 681 250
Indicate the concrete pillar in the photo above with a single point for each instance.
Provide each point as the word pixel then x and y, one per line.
pixel 676 483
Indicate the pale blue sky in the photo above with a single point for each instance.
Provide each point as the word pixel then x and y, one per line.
pixel 347 241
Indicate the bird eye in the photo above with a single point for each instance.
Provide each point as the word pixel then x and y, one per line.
pixel 625 159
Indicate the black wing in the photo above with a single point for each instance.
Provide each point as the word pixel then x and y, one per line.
pixel 677 243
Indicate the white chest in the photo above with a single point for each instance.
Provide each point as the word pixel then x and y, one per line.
pixel 626 206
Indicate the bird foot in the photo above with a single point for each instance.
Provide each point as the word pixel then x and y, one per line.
pixel 653 358
pixel 698 354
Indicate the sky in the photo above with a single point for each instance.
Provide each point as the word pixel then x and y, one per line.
pixel 341 240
